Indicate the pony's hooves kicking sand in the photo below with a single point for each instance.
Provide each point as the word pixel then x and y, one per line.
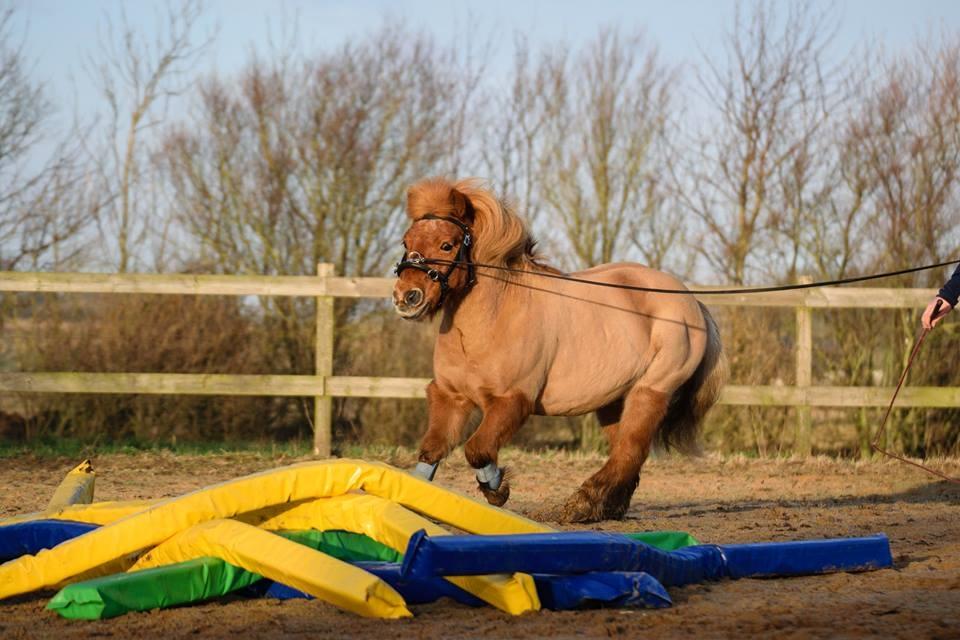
pixel 582 507
pixel 548 513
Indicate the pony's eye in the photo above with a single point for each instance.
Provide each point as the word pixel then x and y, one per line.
pixel 446 246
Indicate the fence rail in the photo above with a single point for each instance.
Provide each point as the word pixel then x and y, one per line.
pixel 324 385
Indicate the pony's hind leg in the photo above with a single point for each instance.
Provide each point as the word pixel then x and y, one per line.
pixel 502 416
pixel 448 412
pixel 609 418
pixel 606 494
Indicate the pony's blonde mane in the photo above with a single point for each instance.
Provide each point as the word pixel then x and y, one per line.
pixel 501 237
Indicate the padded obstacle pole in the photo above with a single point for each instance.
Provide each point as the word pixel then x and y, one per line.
pixel 414 591
pixel 558 593
pixel 27 538
pixel 583 552
pixel 76 488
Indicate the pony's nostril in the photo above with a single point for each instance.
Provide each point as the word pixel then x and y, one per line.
pixel 413 297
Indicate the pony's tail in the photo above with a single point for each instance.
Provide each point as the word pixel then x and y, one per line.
pixel 690 403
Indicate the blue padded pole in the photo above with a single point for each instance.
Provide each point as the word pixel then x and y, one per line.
pixel 609 589
pixel 31 537
pixel 569 552
pixel 556 592
pixel 414 591
pixel 807 557
pixel 582 552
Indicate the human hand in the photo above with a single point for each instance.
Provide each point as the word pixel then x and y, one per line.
pixel 935 312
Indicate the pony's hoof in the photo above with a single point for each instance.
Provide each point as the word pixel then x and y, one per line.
pixel 497 497
pixel 579 508
pixel 549 513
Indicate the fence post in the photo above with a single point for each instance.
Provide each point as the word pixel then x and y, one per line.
pixel 323 404
pixel 803 441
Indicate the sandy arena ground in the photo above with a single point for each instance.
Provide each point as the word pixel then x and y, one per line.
pixel 718 500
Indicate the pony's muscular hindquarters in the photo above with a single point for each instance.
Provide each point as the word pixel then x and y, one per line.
pixel 513 343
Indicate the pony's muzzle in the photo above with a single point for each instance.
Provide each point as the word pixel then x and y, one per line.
pixel 410 304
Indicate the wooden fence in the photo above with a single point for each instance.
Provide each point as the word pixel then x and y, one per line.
pixel 324 385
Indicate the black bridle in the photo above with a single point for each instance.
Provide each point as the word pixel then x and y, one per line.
pixel 414 260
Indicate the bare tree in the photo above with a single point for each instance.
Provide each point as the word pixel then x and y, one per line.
pixel 43 202
pixel 513 135
pixel 748 181
pixel 307 161
pixel 137 77
pixel 909 135
pixel 892 202
pixel 606 116
pixel 310 163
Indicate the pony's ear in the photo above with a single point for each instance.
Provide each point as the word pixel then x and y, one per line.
pixel 438 196
pixel 462 207
pixel 434 196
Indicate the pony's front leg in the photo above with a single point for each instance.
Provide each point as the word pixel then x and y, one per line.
pixel 448 412
pixel 502 416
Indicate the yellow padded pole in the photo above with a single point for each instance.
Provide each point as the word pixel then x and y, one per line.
pixel 392 525
pixel 76 488
pixel 322 576
pixel 94 513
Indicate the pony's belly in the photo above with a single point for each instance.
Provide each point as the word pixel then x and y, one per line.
pixel 578 399
pixel 584 377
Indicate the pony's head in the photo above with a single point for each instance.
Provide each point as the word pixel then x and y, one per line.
pixel 453 225
pixel 437 249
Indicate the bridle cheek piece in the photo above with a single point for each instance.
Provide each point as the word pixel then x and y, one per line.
pixel 415 260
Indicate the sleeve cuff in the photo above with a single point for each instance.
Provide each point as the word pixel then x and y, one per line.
pixel 950 293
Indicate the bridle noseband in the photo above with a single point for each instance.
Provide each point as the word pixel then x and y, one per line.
pixel 416 261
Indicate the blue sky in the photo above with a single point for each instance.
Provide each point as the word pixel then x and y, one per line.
pixel 59 33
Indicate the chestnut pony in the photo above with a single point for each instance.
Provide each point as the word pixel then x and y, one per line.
pixel 515 343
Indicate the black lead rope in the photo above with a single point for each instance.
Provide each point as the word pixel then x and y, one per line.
pixel 875 443
pixel 786 287
pixel 462 259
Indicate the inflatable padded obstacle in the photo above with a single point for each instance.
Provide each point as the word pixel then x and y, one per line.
pixel 95 513
pixel 76 488
pixel 610 589
pixel 317 492
pixel 199 579
pixel 382 520
pixel 414 591
pixel 559 593
pixel 107 546
pixel 168 586
pixel 387 523
pixel 664 540
pixel 275 557
pixel 582 552
pixel 392 525
pixel 205 578
pixel 26 538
